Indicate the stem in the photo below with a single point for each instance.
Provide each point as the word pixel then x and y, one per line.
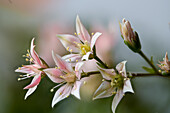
pixel 148 61
pixel 100 61
pixel 133 75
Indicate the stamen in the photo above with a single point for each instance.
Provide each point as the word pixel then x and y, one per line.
pixel 19 79
pixel 84 82
pixel 67 48
pixel 159 71
pixel 27 55
pixel 71 50
pixel 27 59
pixel 31 59
pixel 19 68
pixel 23 55
pixel 70 60
pixel 75 33
pixel 103 80
pixel 28 50
pixel 76 60
pixel 92 33
pixel 57 86
pixel 78 33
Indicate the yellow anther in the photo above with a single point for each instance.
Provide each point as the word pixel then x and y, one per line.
pixel 76 70
pixel 27 59
pixel 56 67
pixel 22 65
pixel 23 55
pixel 76 60
pixel 84 82
pixel 103 80
pixel 28 50
pixel 31 59
pixel 61 76
pixel 67 48
pixel 19 68
pixel 92 33
pixel 21 75
pixel 120 72
pixel 70 60
pixel 123 94
pixel 51 90
pixel 27 74
pixel 78 33
pixel 71 50
pixel 60 93
pixel 75 33
pixel 112 71
pixel 27 55
pixel 112 84
pixel 159 71
pixel 19 79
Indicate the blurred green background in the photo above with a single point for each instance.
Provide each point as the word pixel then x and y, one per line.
pixel 20 21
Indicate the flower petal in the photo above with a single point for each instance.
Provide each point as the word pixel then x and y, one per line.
pixel 81 31
pixel 104 90
pixel 107 73
pixel 26 69
pixel 127 87
pixel 36 80
pixel 78 69
pixel 76 89
pixel 61 63
pixel 30 91
pixel 54 74
pixel 62 93
pixel 94 39
pixel 34 54
pixel 86 56
pixel 72 58
pixel 121 68
pixel 117 99
pixel 69 42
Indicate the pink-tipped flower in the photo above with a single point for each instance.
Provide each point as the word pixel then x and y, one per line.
pixel 32 70
pixel 81 47
pixel 129 36
pixel 114 83
pixel 66 76
pixel 165 65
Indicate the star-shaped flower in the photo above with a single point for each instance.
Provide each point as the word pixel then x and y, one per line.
pixel 66 76
pixel 81 47
pixel 165 65
pixel 32 70
pixel 114 83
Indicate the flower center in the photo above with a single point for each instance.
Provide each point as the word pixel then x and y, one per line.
pixel 117 81
pixel 84 48
pixel 69 77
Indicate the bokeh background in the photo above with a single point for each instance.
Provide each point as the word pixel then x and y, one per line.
pixel 21 20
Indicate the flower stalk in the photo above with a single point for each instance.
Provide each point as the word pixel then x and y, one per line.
pixel 148 61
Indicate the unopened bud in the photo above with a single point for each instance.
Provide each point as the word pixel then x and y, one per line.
pixel 129 36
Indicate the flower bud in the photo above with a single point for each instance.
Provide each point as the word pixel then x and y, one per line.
pixel 129 36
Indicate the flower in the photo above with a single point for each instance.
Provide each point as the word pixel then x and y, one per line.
pixel 165 65
pixel 81 47
pixel 114 83
pixel 64 74
pixel 129 36
pixel 32 70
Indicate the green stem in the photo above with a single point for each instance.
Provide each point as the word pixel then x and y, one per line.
pixel 100 61
pixel 148 61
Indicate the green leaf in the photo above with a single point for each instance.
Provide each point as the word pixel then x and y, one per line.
pixel 150 70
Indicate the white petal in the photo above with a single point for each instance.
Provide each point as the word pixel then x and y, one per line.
pixel 121 68
pixel 86 56
pixel 54 74
pixel 72 58
pixel 69 42
pixel 107 73
pixel 94 39
pixel 62 93
pixel 127 87
pixel 81 31
pixel 117 99
pixel 78 69
pixel 30 91
pixel 61 63
pixel 76 89
pixel 104 90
